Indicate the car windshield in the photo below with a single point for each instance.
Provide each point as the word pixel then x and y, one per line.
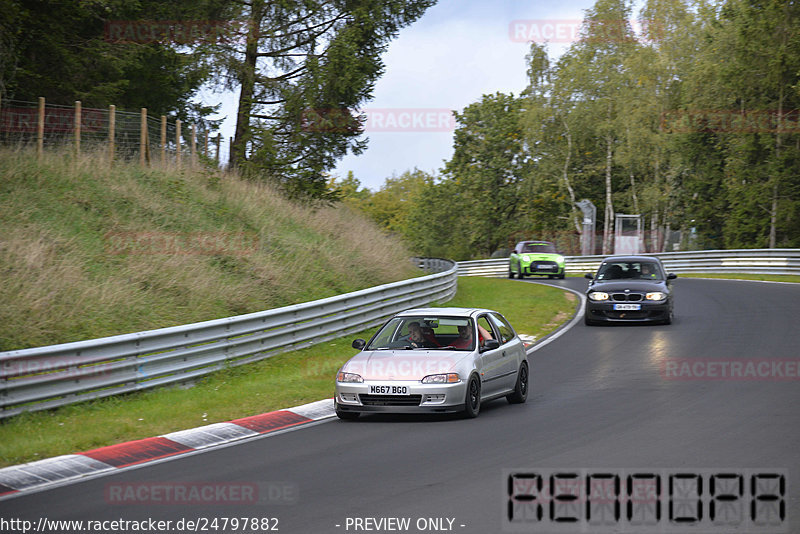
pixel 425 332
pixel 630 270
pixel 539 248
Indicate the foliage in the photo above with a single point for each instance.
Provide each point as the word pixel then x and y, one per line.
pixel 304 68
pixel 692 123
pixel 65 51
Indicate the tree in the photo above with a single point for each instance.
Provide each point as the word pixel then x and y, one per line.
pixel 488 164
pixel 65 52
pixel 303 70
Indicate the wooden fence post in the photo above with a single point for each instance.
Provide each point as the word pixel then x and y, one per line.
pixel 77 130
pixel 40 129
pixel 219 141
pixel 193 148
pixel 205 143
pixel 178 143
pixel 112 121
pixel 143 138
pixel 163 140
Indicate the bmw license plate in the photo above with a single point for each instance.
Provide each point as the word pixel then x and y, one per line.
pixel 627 307
pixel 388 390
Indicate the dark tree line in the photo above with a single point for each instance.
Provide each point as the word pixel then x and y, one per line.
pixel 301 68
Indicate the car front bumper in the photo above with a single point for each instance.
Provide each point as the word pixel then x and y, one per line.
pixel 420 398
pixel 541 268
pixel 649 312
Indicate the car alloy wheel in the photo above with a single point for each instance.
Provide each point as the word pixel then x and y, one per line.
pixel 520 393
pixel 472 404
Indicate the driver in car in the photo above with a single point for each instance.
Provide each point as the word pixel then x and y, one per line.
pixel 418 339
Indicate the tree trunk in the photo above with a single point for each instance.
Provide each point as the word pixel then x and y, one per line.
pixel 570 190
pixel 609 211
pixel 247 80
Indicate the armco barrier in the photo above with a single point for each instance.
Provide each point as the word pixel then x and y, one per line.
pixel 755 261
pixel 47 377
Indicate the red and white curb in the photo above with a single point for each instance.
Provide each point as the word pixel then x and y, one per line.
pixel 60 469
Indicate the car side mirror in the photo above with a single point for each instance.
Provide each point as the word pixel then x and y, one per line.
pixel 359 344
pixel 491 344
pixel 672 276
pixel 588 276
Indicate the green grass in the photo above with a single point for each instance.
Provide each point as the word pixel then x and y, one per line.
pixel 88 251
pixel 279 382
pixel 745 276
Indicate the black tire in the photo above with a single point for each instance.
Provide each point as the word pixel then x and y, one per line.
pixel 520 394
pixel 561 276
pixel 510 273
pixel 668 320
pixel 472 400
pixel 346 416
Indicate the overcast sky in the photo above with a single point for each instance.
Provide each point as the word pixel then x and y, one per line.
pixel 456 52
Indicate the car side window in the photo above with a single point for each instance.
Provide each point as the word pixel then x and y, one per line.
pixel 503 328
pixel 485 327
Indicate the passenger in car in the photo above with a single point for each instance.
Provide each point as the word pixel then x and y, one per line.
pixel 464 340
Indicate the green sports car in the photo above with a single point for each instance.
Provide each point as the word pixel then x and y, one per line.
pixel 535 258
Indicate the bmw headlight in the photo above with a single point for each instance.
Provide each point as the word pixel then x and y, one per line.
pixel 598 295
pixel 446 378
pixel 655 295
pixel 348 377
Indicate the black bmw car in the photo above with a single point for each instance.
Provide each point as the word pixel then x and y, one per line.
pixel 629 289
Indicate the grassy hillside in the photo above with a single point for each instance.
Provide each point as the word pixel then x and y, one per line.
pixel 89 251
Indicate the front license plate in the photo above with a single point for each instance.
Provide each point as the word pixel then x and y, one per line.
pixel 542 267
pixel 627 307
pixel 388 390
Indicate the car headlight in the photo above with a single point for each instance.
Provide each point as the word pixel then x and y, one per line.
pixel 446 378
pixel 526 258
pixel 598 295
pixel 348 377
pixel 655 295
pixel 560 260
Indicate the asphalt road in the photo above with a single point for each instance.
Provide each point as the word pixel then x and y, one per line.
pixel 602 397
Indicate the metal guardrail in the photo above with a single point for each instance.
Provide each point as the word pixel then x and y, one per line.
pixel 47 377
pixel 754 261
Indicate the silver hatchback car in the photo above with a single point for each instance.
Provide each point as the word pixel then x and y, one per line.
pixel 434 360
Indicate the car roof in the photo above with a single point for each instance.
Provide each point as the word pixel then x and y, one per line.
pixel 457 312
pixel 631 258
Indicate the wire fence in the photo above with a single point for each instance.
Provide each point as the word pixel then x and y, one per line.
pixel 122 134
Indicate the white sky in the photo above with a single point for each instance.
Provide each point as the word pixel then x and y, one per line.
pixel 456 52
